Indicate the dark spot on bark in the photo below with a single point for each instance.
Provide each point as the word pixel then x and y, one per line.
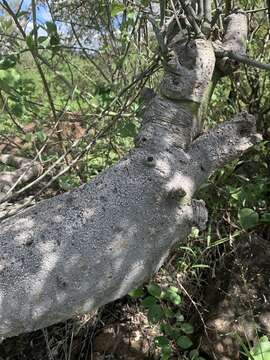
pixel 175 82
pixel 149 179
pixel 244 130
pixel 144 139
pixel 29 242
pixel 58 241
pixel 103 198
pixel 202 168
pixel 103 208
pixel 61 283
pixel 69 200
pixel 115 191
pixel 150 158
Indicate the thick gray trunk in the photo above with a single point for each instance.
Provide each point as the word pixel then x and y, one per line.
pixel 85 248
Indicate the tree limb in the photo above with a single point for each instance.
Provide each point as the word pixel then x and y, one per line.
pixel 82 249
pixel 26 170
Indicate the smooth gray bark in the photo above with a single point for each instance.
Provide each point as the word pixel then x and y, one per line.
pixel 85 248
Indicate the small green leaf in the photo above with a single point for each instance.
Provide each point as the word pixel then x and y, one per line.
pixel 179 317
pixel 40 135
pixel 51 27
pixel 261 351
pixel 41 39
pixel 8 62
pixel 173 289
pixel 30 42
pixel 248 218
pixel 17 109
pixel 187 328
pixel 21 13
pixel 136 293
pixel 265 218
pixel 173 296
pixel 194 354
pixel 148 301
pixel 166 328
pixel 184 342
pixel 169 313
pixel 54 39
pixel 154 290
pixel 145 2
pixel 165 356
pixel 155 314
pixel 161 341
pixel 200 266
pixel 117 8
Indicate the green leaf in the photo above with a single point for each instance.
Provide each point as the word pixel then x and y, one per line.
pixel 171 294
pixel 17 109
pixel 194 354
pixel 265 218
pixel 155 314
pixel 161 341
pixel 30 42
pixel 261 351
pixel 40 135
pixel 179 317
pixel 8 62
pixel 154 290
pixel 145 2
pixel 166 328
pixel 169 313
pixel 173 289
pixel 165 356
pixel 117 8
pixel 136 293
pixel 165 352
pixel 184 342
pixel 248 218
pixel 8 79
pixel 51 27
pixel 54 39
pixel 21 13
pixel 187 328
pixel 41 39
pixel 7 24
pixel 148 301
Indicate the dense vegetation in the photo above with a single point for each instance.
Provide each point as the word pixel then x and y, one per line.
pixel 72 88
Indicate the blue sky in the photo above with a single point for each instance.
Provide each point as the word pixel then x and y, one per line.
pixel 43 13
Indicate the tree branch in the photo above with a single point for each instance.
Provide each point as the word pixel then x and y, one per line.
pixel 221 53
pixel 26 171
pixel 222 144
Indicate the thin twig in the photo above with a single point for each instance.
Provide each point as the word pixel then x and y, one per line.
pixel 242 59
pixel 88 56
pixel 189 14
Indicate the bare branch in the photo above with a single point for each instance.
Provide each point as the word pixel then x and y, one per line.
pixel 26 170
pixel 242 59
pixel 189 12
pixel 207 17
